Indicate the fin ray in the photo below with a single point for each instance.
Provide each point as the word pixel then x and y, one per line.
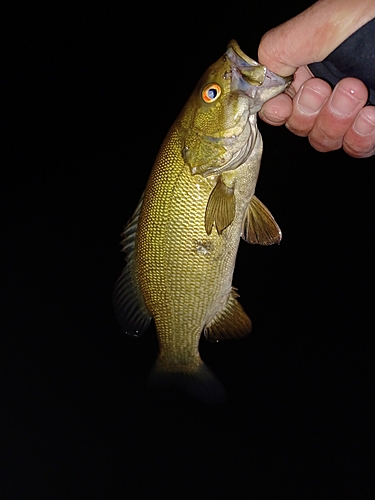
pixel 130 308
pixel 231 322
pixel 221 207
pixel 260 228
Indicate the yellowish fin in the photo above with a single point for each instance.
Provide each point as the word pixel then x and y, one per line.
pixel 260 228
pixel 231 322
pixel 196 380
pixel 221 207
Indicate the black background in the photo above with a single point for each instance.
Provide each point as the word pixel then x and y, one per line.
pixel 86 96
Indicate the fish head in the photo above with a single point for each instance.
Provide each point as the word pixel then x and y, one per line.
pixel 219 120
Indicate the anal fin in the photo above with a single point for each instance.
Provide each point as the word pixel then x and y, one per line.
pixel 260 228
pixel 221 207
pixel 231 322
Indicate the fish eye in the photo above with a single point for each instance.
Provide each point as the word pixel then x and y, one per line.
pixel 211 92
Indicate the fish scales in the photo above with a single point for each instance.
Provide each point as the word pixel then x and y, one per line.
pixel 179 231
pixel 198 202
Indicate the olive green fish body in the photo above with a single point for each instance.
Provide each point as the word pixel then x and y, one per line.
pixel 182 241
pixel 185 274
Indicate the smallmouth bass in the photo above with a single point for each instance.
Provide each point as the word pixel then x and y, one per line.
pixel 181 242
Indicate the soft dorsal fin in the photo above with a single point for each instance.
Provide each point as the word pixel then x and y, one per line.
pixel 259 226
pixel 130 308
pixel 231 322
pixel 221 207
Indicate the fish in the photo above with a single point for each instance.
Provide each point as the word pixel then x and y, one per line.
pixel 181 242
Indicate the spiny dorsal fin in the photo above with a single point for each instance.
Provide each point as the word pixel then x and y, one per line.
pixel 259 226
pixel 221 207
pixel 130 308
pixel 231 322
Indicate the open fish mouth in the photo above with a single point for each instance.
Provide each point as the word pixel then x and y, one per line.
pixel 252 71
pixel 254 79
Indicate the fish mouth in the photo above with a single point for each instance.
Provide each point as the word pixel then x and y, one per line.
pixel 252 70
pixel 254 79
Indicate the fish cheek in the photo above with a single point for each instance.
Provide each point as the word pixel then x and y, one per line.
pixel 211 119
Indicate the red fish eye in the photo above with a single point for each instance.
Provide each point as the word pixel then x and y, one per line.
pixel 211 92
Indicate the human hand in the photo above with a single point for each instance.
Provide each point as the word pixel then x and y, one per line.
pixel 330 119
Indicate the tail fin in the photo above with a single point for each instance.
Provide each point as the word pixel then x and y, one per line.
pixel 196 380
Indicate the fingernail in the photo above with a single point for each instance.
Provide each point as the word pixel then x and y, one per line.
pixel 310 101
pixel 364 125
pixel 343 103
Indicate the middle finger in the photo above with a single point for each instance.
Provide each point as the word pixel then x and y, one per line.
pixel 338 114
pixel 309 100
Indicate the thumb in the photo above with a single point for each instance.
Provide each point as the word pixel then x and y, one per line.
pixel 313 34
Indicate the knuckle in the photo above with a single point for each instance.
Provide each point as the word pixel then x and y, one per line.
pixel 358 151
pixel 359 146
pixel 324 142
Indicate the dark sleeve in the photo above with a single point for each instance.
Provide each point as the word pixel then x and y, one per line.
pixel 354 57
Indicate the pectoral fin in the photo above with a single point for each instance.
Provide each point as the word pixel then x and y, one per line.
pixel 221 207
pixel 231 322
pixel 259 225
